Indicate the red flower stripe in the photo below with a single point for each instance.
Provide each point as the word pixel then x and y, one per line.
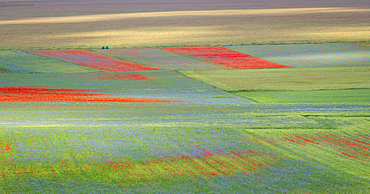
pixel 349 155
pixel 364 137
pixel 293 141
pixel 358 141
pixel 307 140
pixel 337 143
pixel 225 57
pixel 347 143
pixel 5 147
pixel 118 76
pixel 29 94
pixel 4 71
pixel 95 60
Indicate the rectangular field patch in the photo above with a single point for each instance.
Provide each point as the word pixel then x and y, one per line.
pixel 285 79
pixel 225 57
pixel 308 96
pixel 94 60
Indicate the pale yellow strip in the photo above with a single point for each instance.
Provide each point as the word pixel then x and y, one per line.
pixel 149 32
pixel 348 32
pixel 106 17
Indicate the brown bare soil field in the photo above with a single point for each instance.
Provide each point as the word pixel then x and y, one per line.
pixel 44 24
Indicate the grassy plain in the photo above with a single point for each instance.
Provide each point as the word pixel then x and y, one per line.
pixel 285 79
pixel 309 96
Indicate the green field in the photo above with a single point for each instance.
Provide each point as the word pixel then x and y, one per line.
pixel 285 79
pixel 309 96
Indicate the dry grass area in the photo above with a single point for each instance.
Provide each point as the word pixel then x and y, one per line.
pixel 92 23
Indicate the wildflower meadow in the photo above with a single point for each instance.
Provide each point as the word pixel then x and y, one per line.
pixel 235 119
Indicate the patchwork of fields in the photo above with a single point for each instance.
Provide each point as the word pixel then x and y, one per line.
pixel 242 119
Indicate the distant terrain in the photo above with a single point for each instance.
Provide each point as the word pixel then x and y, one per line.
pixel 90 24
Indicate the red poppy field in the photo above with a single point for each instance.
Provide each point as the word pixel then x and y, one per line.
pixel 225 57
pixel 29 94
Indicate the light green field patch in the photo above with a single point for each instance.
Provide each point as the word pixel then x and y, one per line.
pixel 344 122
pixel 308 96
pixel 285 78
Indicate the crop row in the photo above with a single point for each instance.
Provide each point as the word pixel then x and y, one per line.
pixel 356 148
